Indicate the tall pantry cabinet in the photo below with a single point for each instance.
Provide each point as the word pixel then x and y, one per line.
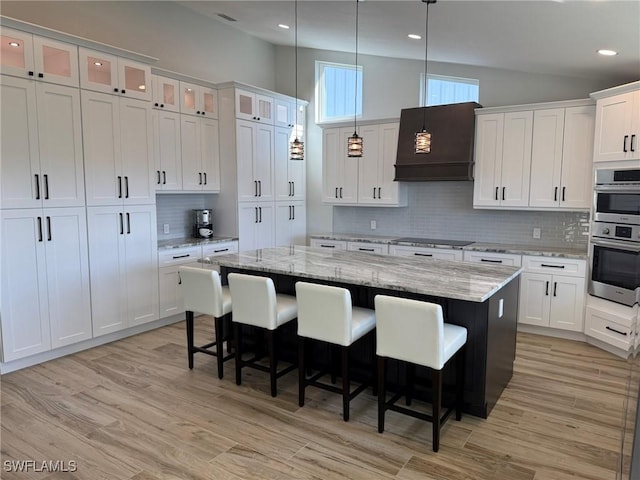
pixel 45 273
pixel 262 201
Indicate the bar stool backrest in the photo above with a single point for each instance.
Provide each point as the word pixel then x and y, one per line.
pixel 202 290
pixel 254 300
pixel 324 313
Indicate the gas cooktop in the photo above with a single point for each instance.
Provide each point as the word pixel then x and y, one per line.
pixel 434 241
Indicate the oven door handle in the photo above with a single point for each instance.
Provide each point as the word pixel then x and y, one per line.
pixel 619 245
pixel 626 188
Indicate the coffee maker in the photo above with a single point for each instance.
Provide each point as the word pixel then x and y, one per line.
pixel 203 226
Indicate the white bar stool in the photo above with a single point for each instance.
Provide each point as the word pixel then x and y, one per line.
pixel 325 313
pixel 203 292
pixel 256 303
pixel 414 332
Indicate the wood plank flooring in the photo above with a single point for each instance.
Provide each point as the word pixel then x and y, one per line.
pixel 133 410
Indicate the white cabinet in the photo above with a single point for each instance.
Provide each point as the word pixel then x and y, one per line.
pixel 329 244
pixel 170 293
pixel 552 293
pixel 612 323
pixel 118 150
pixel 254 106
pixel 123 257
pixel 107 73
pixel 219 248
pixel 289 174
pixel 429 252
pixel 367 247
pixel 562 157
pixel 503 159
pixel 291 224
pixel 339 172
pixel 41 145
pixel 256 225
pixel 165 93
pixel 285 114
pixel 493 258
pixel 617 125
pixel 200 154
pixel 198 100
pixel 255 161
pixel 45 280
pixel 167 150
pixel 31 56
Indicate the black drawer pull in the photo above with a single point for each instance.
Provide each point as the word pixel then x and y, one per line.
pixel 624 143
pixel 182 256
pixel 327 246
pixel 616 331
pixel 221 250
pixel 366 249
pixel 488 260
pixel 551 266
pixel 422 254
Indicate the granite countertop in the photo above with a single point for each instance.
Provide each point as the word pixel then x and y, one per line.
pixel 515 249
pixel 192 242
pixel 473 282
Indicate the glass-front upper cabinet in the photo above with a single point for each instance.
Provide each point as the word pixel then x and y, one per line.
pixel 107 73
pixel 255 107
pixel 198 100
pixel 166 93
pixel 25 55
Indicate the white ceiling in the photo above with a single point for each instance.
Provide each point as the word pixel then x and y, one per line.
pixel 543 36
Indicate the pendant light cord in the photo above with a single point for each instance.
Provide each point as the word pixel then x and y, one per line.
pixel 355 97
pixel 426 51
pixel 295 118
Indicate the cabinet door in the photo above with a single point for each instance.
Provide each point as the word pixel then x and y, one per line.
pixel 137 152
pixel 288 174
pixel 264 109
pixel 348 192
pixel 284 113
pixel 16 53
pixel 263 161
pixel 102 149
pixel 209 102
pixel 612 124
pixel 171 298
pixel 106 228
pixel 98 71
pixel 20 167
pixel 245 153
pixel 210 154
pixel 165 93
pixel 291 224
pixel 265 234
pixel 567 303
pixel 388 193
pixel 577 158
pixel 67 260
pixel 141 264
pixel 516 159
pixel 298 230
pixel 25 321
pixel 60 139
pixel 191 153
pixel 56 62
pixel 167 150
pixel 331 166
pixel 245 105
pixel 134 79
pixel 634 140
pixel 546 157
pixel 370 165
pixel 488 159
pixel 247 226
pixel 535 299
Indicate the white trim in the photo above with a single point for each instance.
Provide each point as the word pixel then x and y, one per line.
pixel 582 102
pixel 627 87
pixel 319 95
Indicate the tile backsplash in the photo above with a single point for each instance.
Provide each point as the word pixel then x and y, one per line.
pixel 444 210
pixel 176 210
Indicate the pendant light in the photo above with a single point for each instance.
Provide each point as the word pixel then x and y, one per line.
pixel 296 148
pixel 354 143
pixel 423 138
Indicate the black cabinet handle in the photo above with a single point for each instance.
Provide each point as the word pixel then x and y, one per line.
pixel 422 254
pixel 123 91
pixel 563 190
pixel 115 90
pixel 340 192
pixel 504 189
pixel 555 194
pixel 336 192
pixel 327 246
pixel 39 229
pixel 156 104
pixel 260 210
pixel 40 75
pixel 37 186
pixel 119 186
pixel 204 113
pixel 162 105
pixel 205 177
pixel 379 192
pixel 126 186
pixel 221 250
pixel 488 260
pixel 633 137
pixel 200 177
pixel 121 224
pixel 546 292
pixel 182 256
pixel 164 177
pixel 497 192
pixel 48 228
pixel 624 143
pixel 374 192
pixel 289 212
pixel 293 189
pixel 255 188
pixel 260 189
pixel 30 73
pixel 616 331
pixel 555 288
pixel 294 212
pixel 128 223
pixel 551 266
pixel 158 172
pixel 46 186
pixel 366 249
pixel 256 209
pixel 198 112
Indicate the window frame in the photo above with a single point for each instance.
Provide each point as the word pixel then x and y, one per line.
pixel 320 92
pixel 430 76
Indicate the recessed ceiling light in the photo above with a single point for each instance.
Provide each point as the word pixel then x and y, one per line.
pixel 282 25
pixel 414 36
pixel 607 53
pixel 14 44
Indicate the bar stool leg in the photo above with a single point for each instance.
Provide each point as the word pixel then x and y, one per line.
pixel 460 364
pixel 333 352
pixel 189 323
pixel 217 327
pixel 410 379
pixel 381 392
pixel 273 363
pixel 346 384
pixel 374 381
pixel 237 330
pixel 436 403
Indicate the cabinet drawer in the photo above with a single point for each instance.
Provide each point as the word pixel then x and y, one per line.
pixel 220 249
pixel 493 258
pixel 333 244
pixel 439 253
pixel 599 325
pixel 554 265
pixel 379 248
pixel 177 256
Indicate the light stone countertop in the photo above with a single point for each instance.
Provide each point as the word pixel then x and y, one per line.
pixel 473 282
pixel 192 242
pixel 516 249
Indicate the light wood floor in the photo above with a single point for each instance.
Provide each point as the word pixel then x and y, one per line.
pixel 133 410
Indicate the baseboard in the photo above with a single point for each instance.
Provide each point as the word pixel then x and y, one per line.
pixel 608 348
pixel 552 332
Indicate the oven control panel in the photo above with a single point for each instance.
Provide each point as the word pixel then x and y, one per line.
pixel 616 231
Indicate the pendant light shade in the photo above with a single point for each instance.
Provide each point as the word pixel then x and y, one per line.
pixel 354 143
pixel 296 148
pixel 423 137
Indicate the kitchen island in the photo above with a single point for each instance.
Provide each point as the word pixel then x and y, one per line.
pixel 482 298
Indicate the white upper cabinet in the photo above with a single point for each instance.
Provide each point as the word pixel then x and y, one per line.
pixel 546 157
pixel 255 158
pixel 285 113
pixel 617 127
pixel 254 106
pixel 107 73
pixel 167 150
pixel 200 154
pixel 289 174
pixel 165 93
pixel 198 100
pixel 41 145
pixel 339 172
pixel 30 56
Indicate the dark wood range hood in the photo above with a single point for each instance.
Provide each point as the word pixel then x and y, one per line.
pixel 452 129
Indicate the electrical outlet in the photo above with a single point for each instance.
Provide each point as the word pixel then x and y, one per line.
pixel 373 225
pixel 536 233
pixel 165 228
